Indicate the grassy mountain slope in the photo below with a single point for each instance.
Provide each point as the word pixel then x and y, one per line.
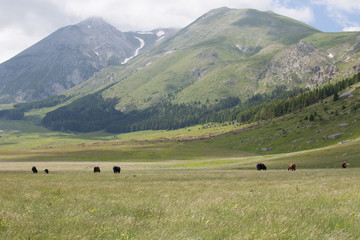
pixel 219 55
pixel 229 52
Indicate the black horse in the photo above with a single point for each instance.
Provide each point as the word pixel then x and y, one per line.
pixel 34 170
pixel 116 169
pixel 260 166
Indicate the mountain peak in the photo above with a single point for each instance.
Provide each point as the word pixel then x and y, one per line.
pixel 63 59
pixel 257 18
pixel 93 22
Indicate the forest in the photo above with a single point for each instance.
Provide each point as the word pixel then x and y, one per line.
pixel 94 113
pixel 17 113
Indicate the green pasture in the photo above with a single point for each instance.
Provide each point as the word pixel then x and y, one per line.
pixel 165 200
pixel 183 185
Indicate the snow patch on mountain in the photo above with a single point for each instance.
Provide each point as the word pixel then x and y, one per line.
pixel 144 32
pixel 142 44
pixel 160 33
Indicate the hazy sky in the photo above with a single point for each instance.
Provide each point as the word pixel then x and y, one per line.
pixel 25 22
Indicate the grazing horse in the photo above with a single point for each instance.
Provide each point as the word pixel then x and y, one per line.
pixel 292 167
pixel 345 164
pixel 46 171
pixel 34 170
pixel 260 166
pixel 96 169
pixel 116 169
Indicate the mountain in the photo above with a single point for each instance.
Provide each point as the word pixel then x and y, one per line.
pixel 227 59
pixel 68 57
pixel 229 53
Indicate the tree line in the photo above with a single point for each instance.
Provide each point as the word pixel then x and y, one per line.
pixel 281 107
pixel 17 113
pixel 94 113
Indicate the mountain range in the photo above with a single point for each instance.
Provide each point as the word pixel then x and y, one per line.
pixel 229 52
pixel 224 57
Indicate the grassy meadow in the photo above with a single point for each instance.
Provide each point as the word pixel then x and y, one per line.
pixel 204 198
pixel 165 200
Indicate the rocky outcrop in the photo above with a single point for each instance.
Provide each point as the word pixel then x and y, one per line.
pixel 337 135
pixel 323 75
pixel 300 64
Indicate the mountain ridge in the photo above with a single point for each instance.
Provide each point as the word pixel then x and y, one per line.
pixel 205 61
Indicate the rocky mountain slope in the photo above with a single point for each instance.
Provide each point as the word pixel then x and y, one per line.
pixel 68 57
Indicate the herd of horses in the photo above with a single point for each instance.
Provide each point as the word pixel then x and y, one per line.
pixel 259 166
pixel 292 166
pixel 116 170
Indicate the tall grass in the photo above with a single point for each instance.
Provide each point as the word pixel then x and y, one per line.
pixel 158 201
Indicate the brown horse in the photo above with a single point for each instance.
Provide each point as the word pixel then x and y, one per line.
pixel 292 167
pixel 345 164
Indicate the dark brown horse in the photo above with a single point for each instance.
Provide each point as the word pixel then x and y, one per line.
pixel 345 164
pixel 116 169
pixel 260 166
pixel 34 170
pixel 292 167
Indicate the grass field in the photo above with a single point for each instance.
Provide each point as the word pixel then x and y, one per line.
pixel 207 198
pixel 165 200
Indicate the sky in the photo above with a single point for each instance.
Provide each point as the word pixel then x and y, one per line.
pixel 25 22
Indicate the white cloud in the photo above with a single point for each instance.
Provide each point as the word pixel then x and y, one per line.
pixel 304 14
pixel 339 11
pixel 147 15
pixel 349 6
pixel 15 39
pixel 351 29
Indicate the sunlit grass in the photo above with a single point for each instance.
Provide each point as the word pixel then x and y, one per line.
pixel 157 201
pixel 22 134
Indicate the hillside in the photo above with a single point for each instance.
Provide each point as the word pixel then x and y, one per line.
pixel 229 53
pixel 68 57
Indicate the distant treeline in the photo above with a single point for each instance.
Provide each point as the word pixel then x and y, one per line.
pixel 279 108
pixel 17 113
pixel 93 112
pixel 11 114
pixel 48 102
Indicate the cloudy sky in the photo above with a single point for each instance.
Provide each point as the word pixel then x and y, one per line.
pixel 25 22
